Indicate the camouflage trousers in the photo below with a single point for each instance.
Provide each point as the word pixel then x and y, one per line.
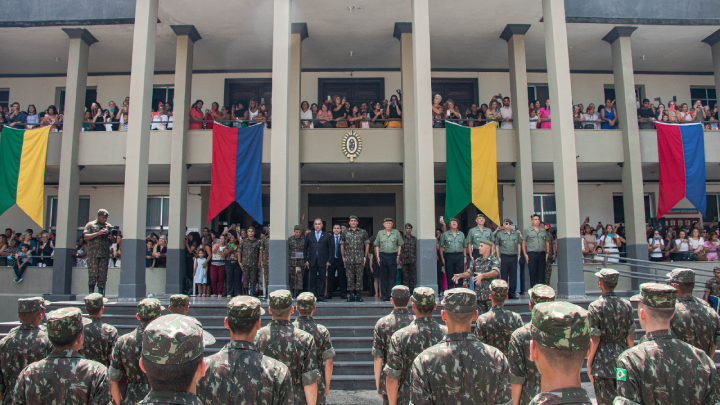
pixel 296 277
pixel 97 271
pixel 265 274
pixel 605 390
pixel 484 306
pixel 408 275
pixel 548 271
pixel 354 274
pixel 250 275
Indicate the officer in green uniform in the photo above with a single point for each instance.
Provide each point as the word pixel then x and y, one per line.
pixel 478 233
pixel 507 245
pixel 96 236
pixel 536 249
pixel 453 252
pixel 296 244
pixel 388 250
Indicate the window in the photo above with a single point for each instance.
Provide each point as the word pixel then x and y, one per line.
pixel 538 92
pixel 162 94
pixel 462 91
pixel 4 98
pixel 242 90
pixel 712 207
pixel 610 93
pixel 545 207
pixel 707 95
pixel 83 215
pixel 158 211
pixel 356 91
pixel 619 209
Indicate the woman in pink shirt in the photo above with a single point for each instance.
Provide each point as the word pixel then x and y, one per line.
pixel 196 114
pixel 544 114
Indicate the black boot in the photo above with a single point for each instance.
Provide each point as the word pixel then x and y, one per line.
pixel 357 296
pixel 91 287
pixel 350 296
pixel 101 291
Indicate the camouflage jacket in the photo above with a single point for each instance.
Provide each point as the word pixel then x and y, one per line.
pixel 99 341
pixel 384 329
pixel 484 265
pixel 405 345
pixel 408 251
pixel 461 370
pixel 575 396
pixel 99 246
pixel 238 374
pixel 666 370
pixel 170 398
pixel 23 345
pixel 125 362
pixel 354 244
pixel 523 370
pixel 323 345
pixel 712 286
pixel 63 377
pixel 612 320
pixel 247 246
pixel 696 324
pixel 282 341
pixel 265 246
pixel 496 326
pixel 296 245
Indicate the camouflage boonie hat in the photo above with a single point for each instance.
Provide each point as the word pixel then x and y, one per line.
pixel 179 300
pixel 26 305
pixel 244 309
pixel 297 228
pixel 103 212
pixel 174 339
pixel 94 301
pixel 424 297
pixel 541 293
pixel 681 276
pixel 499 289
pixel 280 299
pixel 460 300
pixel 149 308
pixel 306 300
pixel 656 295
pixel 400 292
pixel 608 275
pixel 560 325
pixel 65 322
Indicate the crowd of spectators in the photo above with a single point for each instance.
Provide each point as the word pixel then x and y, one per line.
pixel 20 250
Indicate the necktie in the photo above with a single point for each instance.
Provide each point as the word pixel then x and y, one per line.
pixel 317 236
pixel 337 245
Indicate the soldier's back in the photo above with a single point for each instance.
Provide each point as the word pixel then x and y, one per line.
pixel 22 346
pixel 612 319
pixel 323 346
pixel 125 361
pixel 384 329
pixel 696 324
pixel 565 396
pixel 496 327
pixel 98 341
pixel 523 370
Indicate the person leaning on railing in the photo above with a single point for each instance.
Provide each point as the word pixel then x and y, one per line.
pixel 324 117
pixel 196 115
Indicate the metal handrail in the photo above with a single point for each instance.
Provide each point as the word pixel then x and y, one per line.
pixel 629 276
pixel 660 264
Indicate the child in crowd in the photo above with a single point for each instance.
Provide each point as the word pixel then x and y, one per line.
pixel 22 261
pixel 200 274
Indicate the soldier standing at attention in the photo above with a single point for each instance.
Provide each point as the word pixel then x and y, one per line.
pixel 663 370
pixel 64 377
pixel 497 325
pixel 483 271
pixel 265 259
pixel 399 318
pixel 296 244
pixel 612 329
pixel 388 249
pixel 695 323
pixel 250 258
pixel 282 341
pixel 536 249
pixel 354 247
pixel 524 375
pixel 23 345
pixel 100 337
pixel 179 304
pixel 409 257
pixel 126 357
pixel 460 369
pixel 323 344
pixel 410 341
pixel 712 286
pixel 477 234
pixel 507 243
pixel 453 252
pixel 96 236
pixel 560 343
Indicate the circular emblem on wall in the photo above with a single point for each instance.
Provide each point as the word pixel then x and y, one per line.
pixel 351 145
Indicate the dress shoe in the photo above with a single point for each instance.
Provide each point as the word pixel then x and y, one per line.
pixel 350 298
pixel 321 299
pixel 357 297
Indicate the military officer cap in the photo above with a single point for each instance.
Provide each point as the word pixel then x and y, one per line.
pixel 65 322
pixel 174 339
pixel 94 301
pixel 478 216
pixel 485 241
pixel 297 228
pixel 508 221
pixel 388 220
pixel 244 309
pixel 424 297
pixel 102 212
pixel 306 300
pixel 280 299
pixel 453 219
pixel 608 275
pixel 681 276
pixel 179 300
pixel 560 325
pixel 460 300
pixel 541 293
pixel 353 217
pixel 400 292
pixel 26 305
pixel 149 308
pixel 345 224
pixel 409 225
pixel 499 289
pixel 656 295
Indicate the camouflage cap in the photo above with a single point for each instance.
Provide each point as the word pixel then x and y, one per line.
pixel 424 297
pixel 179 300
pixel 306 300
pixel 400 292
pixel 250 228
pixel 26 305
pixel 280 299
pixel 174 339
pixel 560 325
pixel 460 300
pixel 149 308
pixel 499 289
pixel 297 228
pixel 608 275
pixel 94 301
pixel 409 225
pixel 65 322
pixel 244 309
pixel 681 276
pixel 353 217
pixel 388 220
pixel 656 295
pixel 102 212
pixel 541 293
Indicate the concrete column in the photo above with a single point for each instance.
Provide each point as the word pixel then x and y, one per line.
pixel 514 34
pixel 69 185
pixel 187 35
pixel 298 33
pixel 279 145
pixel 424 173
pixel 570 276
pixel 403 32
pixel 714 42
pixel 132 276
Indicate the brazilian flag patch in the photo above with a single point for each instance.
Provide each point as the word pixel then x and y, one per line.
pixel 621 374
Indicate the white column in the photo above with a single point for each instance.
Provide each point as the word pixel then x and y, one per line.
pixel 403 32
pixel 298 33
pixel 714 42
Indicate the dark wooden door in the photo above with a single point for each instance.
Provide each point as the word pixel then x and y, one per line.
pixel 356 91
pixel 462 91
pixel 243 90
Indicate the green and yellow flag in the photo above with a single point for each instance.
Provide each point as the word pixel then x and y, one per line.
pixel 22 170
pixel 471 170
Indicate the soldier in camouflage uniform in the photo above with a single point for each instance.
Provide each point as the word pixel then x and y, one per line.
pixel 663 369
pixel 250 259
pixel 410 341
pixel 296 244
pixel 712 286
pixel 484 270
pixel 23 345
pixel 100 337
pixel 497 325
pixel 265 257
pixel 612 327
pixel 549 259
pixel 282 341
pixel 172 349
pixel 399 318
pixel 96 236
pixel 561 338
pixel 126 355
pixel 409 257
pixel 460 369
pixel 323 344
pixel 179 304
pixel 354 248
pixel 64 377
pixel 523 371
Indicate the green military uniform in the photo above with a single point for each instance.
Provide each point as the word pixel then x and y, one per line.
pixel 663 369
pixel 452 243
pixel 410 341
pixel 265 248
pixel 64 376
pixel 384 329
pixel 484 265
pixel 100 337
pixel 508 242
pixel 712 287
pixel 548 265
pixel 695 323
pixel 296 245
pixel 409 259
pixel 388 244
pixel 460 369
pixel 354 242
pixel 475 235
pixel 281 340
pixel 453 259
pixel 495 326
pixel 320 334
pixel 97 253
pixel 250 253
pixel 23 345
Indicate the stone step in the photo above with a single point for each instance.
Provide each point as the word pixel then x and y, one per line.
pixel 353 368
pixel 351 382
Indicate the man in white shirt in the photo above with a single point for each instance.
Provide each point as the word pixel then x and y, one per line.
pixel 506 113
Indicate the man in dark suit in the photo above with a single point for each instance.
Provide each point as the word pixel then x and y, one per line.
pixel 337 266
pixel 318 253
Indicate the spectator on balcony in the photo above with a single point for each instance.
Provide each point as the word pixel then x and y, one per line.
pixel 493 112
pixel 713 125
pixel 211 114
pixel 222 116
pixel 684 115
pixel 338 112
pixel 355 117
pixel 159 120
pixel 9 252
pixel 470 115
pixel 32 117
pixel 346 111
pixel 124 121
pixel 646 115
pixel 506 114
pixel 252 110
pixel 16 118
pixel 608 116
pixel 544 114
pixel 591 118
pixel 394 112
pixel 578 117
pixel 45 250
pixel 260 118
pixel 672 111
pixel 3 120
pixel 196 115
pixel 314 109
pixel 533 116
pixel 699 113
pixel 108 118
pixel 324 115
pixel 611 242
pixel 160 252
pixel 697 243
pixel 22 261
pixel 377 114
pixel 149 260
pixel 656 246
pixel 80 253
pixel 88 122
pixel 3 246
pixel 451 114
pixel 714 112
pixel 306 115
pixel 660 112
pixel 711 247
pixel 438 112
